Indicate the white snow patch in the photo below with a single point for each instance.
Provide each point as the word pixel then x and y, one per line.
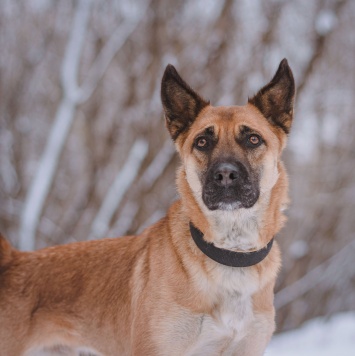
pixel 325 22
pixel 298 249
pixel 318 337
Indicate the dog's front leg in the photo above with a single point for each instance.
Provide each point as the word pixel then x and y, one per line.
pixel 258 336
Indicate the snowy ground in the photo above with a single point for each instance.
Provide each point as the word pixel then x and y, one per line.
pixel 318 337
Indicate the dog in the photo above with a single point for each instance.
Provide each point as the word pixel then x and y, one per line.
pixel 199 281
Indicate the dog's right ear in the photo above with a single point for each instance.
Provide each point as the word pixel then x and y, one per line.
pixel 181 103
pixel 276 99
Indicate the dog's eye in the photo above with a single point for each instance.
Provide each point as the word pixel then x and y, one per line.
pixel 202 143
pixel 254 140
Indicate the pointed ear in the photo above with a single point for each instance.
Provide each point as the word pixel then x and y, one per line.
pixel 181 104
pixel 275 100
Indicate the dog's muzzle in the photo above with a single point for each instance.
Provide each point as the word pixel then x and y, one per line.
pixel 228 186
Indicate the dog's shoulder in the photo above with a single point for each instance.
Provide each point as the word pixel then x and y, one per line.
pixel 6 252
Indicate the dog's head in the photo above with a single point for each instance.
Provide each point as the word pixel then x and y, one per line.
pixel 230 153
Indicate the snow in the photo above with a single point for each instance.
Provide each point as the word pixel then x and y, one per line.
pixel 325 22
pixel 298 249
pixel 319 337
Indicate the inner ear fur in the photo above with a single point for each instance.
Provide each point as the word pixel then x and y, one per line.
pixel 180 102
pixel 276 99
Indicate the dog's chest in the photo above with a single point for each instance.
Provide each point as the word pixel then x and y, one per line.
pixel 221 332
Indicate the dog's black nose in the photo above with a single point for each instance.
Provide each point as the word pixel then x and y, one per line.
pixel 226 174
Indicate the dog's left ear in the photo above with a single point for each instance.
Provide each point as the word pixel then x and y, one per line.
pixel 275 100
pixel 181 103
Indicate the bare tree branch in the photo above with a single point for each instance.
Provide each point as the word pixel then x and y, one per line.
pixel 124 222
pixel 321 38
pixel 148 179
pixel 314 277
pixel 113 45
pixel 158 214
pixel 115 194
pixel 157 166
pixel 43 179
pixel 72 96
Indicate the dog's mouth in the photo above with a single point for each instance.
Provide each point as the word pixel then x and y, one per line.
pixel 229 186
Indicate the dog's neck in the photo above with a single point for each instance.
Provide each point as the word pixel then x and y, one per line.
pixel 227 257
pixel 241 229
pixel 237 229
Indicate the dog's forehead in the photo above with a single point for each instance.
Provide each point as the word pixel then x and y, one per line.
pixel 230 118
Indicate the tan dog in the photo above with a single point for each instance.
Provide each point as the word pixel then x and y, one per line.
pixel 186 285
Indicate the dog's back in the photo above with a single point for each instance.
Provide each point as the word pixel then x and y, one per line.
pixel 67 295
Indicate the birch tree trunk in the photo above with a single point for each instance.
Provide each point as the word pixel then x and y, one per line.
pixel 48 163
pixel 73 95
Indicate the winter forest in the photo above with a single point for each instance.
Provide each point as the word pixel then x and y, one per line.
pixel 84 149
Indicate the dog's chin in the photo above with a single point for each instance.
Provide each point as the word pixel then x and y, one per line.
pixel 229 206
pixel 226 206
pixel 229 202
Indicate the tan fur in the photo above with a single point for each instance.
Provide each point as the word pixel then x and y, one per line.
pixel 156 294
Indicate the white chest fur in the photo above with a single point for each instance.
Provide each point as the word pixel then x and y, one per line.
pixel 230 322
pixel 232 316
pixel 221 333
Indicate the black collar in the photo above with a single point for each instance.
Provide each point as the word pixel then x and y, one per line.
pixel 228 257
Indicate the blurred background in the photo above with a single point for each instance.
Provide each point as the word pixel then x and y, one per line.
pixel 84 149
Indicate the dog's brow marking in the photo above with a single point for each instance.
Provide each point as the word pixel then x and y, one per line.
pixel 245 129
pixel 209 130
